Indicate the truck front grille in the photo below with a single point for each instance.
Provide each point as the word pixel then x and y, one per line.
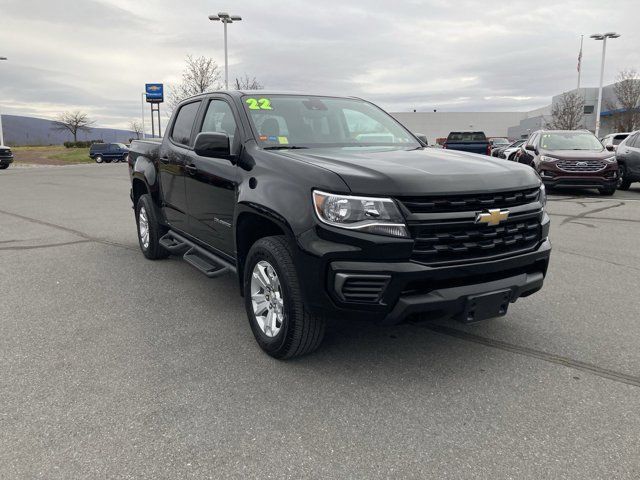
pixel 581 166
pixel 450 234
pixel 461 203
pixel 455 243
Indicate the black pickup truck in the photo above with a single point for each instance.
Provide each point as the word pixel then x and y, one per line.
pixel 328 207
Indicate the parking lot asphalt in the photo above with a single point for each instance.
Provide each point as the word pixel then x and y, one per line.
pixel 116 366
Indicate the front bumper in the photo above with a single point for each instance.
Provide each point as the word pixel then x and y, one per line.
pixel 554 177
pixel 407 287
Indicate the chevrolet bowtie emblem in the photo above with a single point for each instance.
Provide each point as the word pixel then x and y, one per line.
pixel 492 217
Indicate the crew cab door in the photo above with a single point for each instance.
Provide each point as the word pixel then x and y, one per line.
pixel 174 156
pixel 211 183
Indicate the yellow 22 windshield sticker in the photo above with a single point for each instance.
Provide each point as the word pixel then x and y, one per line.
pixel 259 103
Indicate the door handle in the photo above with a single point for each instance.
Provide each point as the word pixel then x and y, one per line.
pixel 164 159
pixel 192 169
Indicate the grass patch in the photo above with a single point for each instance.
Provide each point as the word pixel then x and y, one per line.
pixel 72 155
pixel 51 155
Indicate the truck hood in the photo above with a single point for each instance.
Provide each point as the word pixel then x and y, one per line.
pixel 398 171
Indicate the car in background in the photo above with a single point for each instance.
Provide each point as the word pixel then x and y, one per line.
pixel 500 152
pixel 628 157
pixel 498 142
pixel 472 142
pixel 109 152
pixel 511 151
pixel 6 157
pixel 612 140
pixel 572 159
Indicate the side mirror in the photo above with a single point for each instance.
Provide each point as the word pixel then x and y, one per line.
pixel 212 144
pixel 611 148
pixel 530 148
pixel 423 138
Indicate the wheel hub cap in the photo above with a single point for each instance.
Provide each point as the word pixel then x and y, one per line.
pixel 143 226
pixel 267 299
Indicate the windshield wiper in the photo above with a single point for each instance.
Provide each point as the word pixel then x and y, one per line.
pixel 284 147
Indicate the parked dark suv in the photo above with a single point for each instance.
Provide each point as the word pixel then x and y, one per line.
pixel 572 159
pixel 628 156
pixel 6 157
pixel 109 152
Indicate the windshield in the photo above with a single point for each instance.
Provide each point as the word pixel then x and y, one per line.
pixel 570 141
pixel 290 121
pixel 500 141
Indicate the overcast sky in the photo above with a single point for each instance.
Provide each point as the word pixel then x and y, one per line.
pixel 96 55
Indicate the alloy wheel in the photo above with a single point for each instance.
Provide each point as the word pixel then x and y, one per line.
pixel 143 227
pixel 267 299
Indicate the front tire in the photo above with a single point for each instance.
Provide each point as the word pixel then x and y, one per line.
pixel 623 182
pixel 607 192
pixel 149 229
pixel 99 159
pixel 2 167
pixel 280 323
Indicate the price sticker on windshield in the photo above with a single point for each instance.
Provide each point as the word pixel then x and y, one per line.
pixel 259 103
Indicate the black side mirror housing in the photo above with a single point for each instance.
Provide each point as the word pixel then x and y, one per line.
pixel 611 148
pixel 530 148
pixel 212 144
pixel 423 138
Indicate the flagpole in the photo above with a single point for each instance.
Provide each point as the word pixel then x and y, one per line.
pixel 580 60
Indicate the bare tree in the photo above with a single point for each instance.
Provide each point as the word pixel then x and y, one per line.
pixel 568 112
pixel 73 122
pixel 627 92
pixel 200 75
pixel 247 83
pixel 136 127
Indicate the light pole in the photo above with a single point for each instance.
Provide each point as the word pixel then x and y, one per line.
pixel 603 37
pixel 1 133
pixel 225 18
pixel 144 95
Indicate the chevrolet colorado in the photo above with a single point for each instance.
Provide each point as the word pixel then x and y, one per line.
pixel 328 207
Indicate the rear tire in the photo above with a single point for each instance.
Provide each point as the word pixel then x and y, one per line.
pixel 294 330
pixel 149 229
pixel 2 167
pixel 623 183
pixel 99 159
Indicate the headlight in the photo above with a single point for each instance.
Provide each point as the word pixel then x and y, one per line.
pixel 610 159
pixel 544 158
pixel 543 195
pixel 364 214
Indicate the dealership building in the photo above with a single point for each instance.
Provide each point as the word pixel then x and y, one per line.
pixel 513 125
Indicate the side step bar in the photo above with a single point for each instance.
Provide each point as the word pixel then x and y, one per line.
pixel 208 263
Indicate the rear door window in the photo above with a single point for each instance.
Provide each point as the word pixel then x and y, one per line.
pixel 183 125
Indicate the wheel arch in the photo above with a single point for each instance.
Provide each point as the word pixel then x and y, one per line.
pixel 253 223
